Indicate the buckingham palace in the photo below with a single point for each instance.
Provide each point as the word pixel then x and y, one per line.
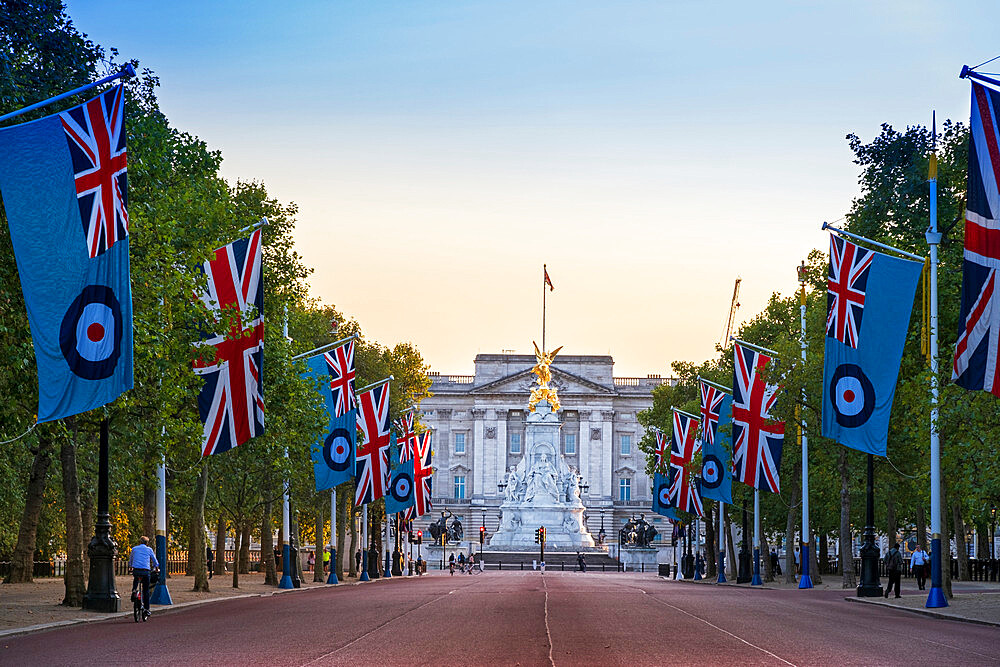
pixel 479 434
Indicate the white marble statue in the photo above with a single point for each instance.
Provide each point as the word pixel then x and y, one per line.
pixel 542 482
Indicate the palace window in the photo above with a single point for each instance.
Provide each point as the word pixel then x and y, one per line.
pixel 459 443
pixel 515 443
pixel 459 487
pixel 570 444
pixel 626 441
pixel 624 489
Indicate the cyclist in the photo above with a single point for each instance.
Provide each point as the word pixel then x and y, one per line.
pixel 142 560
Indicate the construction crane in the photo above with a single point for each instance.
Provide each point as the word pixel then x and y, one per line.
pixel 732 313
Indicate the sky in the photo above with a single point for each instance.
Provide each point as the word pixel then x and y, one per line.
pixel 648 152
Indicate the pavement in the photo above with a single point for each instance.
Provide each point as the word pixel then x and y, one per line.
pixel 519 618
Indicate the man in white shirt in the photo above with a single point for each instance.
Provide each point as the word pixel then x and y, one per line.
pixel 918 562
pixel 142 560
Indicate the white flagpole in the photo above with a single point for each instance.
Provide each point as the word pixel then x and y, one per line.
pixel 805 581
pixel 364 544
pixel 722 544
pixel 286 549
pixel 756 581
pixel 332 576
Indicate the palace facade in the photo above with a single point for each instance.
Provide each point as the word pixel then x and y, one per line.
pixel 478 422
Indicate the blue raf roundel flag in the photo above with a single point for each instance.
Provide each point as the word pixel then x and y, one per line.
pixel 337 450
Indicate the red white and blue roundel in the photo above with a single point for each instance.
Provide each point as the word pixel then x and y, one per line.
pixel 337 450
pixel 712 473
pixel 663 495
pixel 852 395
pixel 402 487
pixel 91 333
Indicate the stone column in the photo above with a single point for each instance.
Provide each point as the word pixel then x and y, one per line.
pixel 478 461
pixel 598 487
pixel 607 435
pixel 500 454
pixel 441 444
pixel 583 449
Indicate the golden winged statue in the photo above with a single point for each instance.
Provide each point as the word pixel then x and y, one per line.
pixel 543 392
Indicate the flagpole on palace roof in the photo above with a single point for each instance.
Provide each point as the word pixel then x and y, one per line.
pixel 935 597
pixel 545 273
pixel 126 72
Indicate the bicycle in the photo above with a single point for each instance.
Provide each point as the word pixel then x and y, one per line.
pixel 139 611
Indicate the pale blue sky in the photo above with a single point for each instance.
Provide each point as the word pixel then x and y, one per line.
pixel 650 152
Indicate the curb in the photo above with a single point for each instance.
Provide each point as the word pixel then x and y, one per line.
pixel 924 612
pixel 715 583
pixel 167 609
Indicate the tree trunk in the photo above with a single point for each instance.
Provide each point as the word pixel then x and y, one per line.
pixel 817 576
pixel 149 508
pixel 824 554
pixel 789 565
pixel 960 546
pixel 74 580
pixel 982 541
pixel 196 532
pixel 237 543
pixel 712 555
pixel 891 528
pixel 23 558
pixel 321 512
pixel 267 548
pixel 244 550
pixel 730 547
pixel 220 543
pixel 846 538
pixel 87 516
pixel 765 557
pixel 351 563
pixel 341 532
pixel 922 527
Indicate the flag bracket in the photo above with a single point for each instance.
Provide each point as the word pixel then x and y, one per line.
pixel 249 228
pixel 754 347
pixel 858 237
pixel 966 73
pixel 323 348
pixel 687 414
pixel 375 384
pixel 127 72
pixel 718 386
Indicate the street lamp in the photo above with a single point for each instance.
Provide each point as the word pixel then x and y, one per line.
pixel 993 532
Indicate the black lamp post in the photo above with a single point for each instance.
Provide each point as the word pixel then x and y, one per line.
pixel 870 586
pixel 101 594
pixel 993 533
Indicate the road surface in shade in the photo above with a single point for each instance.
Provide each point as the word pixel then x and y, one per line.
pixel 526 618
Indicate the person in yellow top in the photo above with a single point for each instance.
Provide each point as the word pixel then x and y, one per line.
pixel 326 558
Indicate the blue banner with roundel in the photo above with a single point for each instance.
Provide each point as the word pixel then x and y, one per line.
pixel 401 494
pixel 333 453
pixel 662 504
pixel 65 191
pixel 869 301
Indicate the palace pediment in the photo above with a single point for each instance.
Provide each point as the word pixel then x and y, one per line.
pixel 522 382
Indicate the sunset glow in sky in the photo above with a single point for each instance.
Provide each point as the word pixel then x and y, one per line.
pixel 648 152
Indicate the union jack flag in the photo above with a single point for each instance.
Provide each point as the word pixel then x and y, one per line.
pixel 757 439
pixel 340 363
pixel 683 447
pixel 661 454
pixel 407 439
pixel 95 132
pixel 422 481
pixel 846 283
pixel 371 473
pixel 711 404
pixel 231 402
pixel 978 345
pixel 685 492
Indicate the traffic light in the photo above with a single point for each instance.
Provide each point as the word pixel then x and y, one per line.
pixel 541 534
pixel 482 535
pixel 538 535
pixel 420 537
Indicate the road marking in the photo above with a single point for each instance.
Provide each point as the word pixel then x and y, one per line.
pixel 376 629
pixel 548 634
pixel 722 630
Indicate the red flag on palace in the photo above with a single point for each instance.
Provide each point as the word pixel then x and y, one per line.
pixel 548 281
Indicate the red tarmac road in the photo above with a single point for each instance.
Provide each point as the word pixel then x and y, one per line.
pixel 525 618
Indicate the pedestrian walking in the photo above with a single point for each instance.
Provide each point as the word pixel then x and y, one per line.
pixel 894 566
pixel 451 564
pixel 326 558
pixel 918 561
pixel 580 562
pixel 420 565
pixel 357 560
pixel 798 567
pixel 311 561
pixel 210 561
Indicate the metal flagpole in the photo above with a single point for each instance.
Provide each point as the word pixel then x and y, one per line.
pixel 935 597
pixel 125 72
pixel 332 577
pixel 697 536
pixel 756 581
pixel 722 544
pixel 286 549
pixel 364 544
pixel 160 594
pixel 544 273
pixel 385 545
pixel 805 581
